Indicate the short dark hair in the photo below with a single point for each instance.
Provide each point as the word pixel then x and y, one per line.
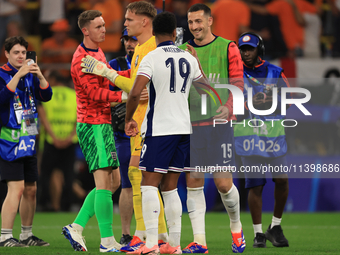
pixel 200 7
pixel 142 8
pixel 164 23
pixel 86 16
pixel 11 41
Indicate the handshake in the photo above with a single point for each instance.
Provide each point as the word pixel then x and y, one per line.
pixel 93 66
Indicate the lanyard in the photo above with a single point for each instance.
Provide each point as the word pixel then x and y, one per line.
pixel 128 62
pixel 30 98
pixel 254 79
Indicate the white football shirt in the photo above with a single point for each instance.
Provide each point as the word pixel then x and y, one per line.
pixel 171 72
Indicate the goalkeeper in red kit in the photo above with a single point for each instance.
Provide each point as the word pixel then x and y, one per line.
pixel 95 135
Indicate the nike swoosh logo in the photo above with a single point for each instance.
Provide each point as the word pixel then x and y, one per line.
pixel 142 253
pixel 226 161
pixel 232 206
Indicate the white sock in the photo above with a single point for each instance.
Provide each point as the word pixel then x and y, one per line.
pixel 231 203
pixel 26 232
pixel 196 209
pixel 151 208
pixel 163 236
pixel 107 241
pixel 173 214
pixel 6 234
pixel 141 234
pixel 77 227
pixel 275 222
pixel 257 228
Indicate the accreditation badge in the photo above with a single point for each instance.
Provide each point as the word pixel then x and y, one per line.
pixel 31 125
pixel 18 112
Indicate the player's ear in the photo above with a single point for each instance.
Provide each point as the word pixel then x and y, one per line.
pixel 210 21
pixel 174 34
pixel 85 31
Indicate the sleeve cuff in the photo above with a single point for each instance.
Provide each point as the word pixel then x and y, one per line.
pixel 48 85
pixel 10 89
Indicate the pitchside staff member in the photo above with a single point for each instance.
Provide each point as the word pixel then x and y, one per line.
pixel 269 142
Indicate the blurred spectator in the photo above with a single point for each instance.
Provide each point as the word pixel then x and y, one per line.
pixel 180 9
pixel 312 33
pixel 14 28
pixel 159 3
pixel 9 11
pixel 50 11
pixel 59 48
pixel 268 27
pixel 335 8
pixel 292 23
pixel 112 13
pixel 231 18
pixel 58 118
pixel 73 9
pixel 83 182
pixel 153 2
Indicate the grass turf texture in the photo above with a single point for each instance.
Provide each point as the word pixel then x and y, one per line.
pixel 316 233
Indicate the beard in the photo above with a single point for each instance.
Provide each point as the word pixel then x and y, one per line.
pixel 130 53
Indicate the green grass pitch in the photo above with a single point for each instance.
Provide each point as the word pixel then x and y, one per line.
pixel 317 233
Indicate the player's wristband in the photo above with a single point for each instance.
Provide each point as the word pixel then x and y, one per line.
pixel 111 75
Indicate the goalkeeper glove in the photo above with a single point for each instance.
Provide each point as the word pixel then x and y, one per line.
pixel 124 97
pixel 93 66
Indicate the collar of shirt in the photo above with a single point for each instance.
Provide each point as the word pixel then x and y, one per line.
pixel 165 43
pixel 12 70
pixel 88 49
pixel 193 44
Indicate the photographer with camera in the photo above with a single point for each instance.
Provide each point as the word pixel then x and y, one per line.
pixel 21 85
pixel 262 142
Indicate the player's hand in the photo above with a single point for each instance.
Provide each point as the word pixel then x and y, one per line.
pixel 224 112
pixel 94 66
pixel 131 128
pixel 144 95
pixel 192 50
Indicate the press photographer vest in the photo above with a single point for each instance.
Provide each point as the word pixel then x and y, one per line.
pixel 268 139
pixel 15 142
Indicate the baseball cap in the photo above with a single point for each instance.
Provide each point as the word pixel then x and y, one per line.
pixel 248 39
pixel 125 33
pixel 60 25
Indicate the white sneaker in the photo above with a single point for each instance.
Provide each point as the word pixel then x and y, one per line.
pixel 115 247
pixel 76 239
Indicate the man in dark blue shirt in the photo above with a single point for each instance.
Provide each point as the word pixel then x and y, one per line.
pixel 264 145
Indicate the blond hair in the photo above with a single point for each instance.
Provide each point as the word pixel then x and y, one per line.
pixel 143 8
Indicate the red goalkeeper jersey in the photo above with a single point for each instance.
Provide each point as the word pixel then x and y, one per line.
pixel 92 91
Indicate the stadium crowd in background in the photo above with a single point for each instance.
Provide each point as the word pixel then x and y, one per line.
pixel 290 29
pixel 304 25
